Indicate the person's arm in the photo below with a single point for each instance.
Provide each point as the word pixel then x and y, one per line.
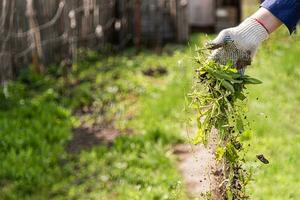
pixel 239 44
pixel 267 20
pixel 287 11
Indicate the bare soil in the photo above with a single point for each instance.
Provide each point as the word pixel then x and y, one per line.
pixel 86 137
pixel 202 174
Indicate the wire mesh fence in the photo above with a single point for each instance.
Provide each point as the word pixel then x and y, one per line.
pixel 41 32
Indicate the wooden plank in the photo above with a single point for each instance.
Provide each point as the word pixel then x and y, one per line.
pixel 137 24
pixel 182 21
pixel 6 68
pixel 35 37
pixel 49 14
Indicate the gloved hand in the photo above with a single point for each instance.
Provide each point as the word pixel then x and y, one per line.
pixel 238 44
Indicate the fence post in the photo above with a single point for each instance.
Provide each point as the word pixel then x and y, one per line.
pixel 182 24
pixel 6 72
pixel 137 22
pixel 37 53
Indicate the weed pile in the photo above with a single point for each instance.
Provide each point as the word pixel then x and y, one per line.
pixel 219 96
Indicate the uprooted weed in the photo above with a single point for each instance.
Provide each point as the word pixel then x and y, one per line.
pixel 218 96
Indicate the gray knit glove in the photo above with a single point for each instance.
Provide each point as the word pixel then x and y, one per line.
pixel 238 44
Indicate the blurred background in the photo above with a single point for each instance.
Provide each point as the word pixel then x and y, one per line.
pixel 45 32
pixel 93 98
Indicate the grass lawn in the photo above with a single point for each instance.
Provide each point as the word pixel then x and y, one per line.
pixel 276 116
pixel 38 114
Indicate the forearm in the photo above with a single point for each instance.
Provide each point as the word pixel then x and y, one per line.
pixel 267 19
pixel 287 11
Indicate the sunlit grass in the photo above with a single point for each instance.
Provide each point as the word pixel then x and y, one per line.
pixel 36 122
pixel 276 118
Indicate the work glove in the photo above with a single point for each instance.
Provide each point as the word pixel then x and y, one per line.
pixel 238 45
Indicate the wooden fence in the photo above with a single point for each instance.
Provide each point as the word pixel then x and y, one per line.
pixel 41 32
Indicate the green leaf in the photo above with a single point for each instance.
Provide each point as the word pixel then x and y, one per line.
pixel 222 76
pixel 200 137
pixel 228 86
pixel 250 80
pixel 220 151
pixel 231 153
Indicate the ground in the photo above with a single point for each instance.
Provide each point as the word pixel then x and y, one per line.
pixel 108 127
pixel 274 112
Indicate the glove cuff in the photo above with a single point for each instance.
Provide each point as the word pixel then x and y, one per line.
pixel 253 31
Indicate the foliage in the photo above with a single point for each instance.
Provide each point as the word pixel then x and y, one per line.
pixel 156 112
pixel 218 97
pixel 38 114
pixel 275 118
pixel 134 168
pixel 33 133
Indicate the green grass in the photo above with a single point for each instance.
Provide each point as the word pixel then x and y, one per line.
pixel 141 166
pixel 33 132
pixel 37 118
pixel 276 118
pixel 37 121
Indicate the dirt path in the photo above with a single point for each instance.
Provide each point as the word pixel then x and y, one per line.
pixel 201 172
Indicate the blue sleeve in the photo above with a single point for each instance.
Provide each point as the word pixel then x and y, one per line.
pixel 287 11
